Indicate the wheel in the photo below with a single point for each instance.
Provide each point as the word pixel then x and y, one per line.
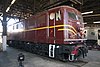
pixel 64 57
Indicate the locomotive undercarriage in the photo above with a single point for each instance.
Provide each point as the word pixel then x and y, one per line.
pixel 57 51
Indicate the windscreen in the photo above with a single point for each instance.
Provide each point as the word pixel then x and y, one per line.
pixel 75 21
pixel 74 16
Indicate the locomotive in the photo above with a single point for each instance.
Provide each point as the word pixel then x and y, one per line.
pixel 55 33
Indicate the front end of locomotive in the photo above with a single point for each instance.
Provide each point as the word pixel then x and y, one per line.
pixel 74 34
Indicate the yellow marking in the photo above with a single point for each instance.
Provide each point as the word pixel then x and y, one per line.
pixel 40 28
pixel 68 30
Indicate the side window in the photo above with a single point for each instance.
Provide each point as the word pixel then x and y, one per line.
pixel 16 26
pixel 41 20
pixel 13 27
pixel 98 34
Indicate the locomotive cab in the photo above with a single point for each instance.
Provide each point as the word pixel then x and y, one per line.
pixel 75 29
pixel 68 31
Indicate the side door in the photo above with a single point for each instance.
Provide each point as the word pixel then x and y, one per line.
pixel 51 33
pixel 54 16
pixel 55 23
pixel 51 27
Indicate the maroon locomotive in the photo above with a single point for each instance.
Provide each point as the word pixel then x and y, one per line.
pixel 56 33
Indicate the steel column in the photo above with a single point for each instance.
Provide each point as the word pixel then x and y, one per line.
pixel 4 24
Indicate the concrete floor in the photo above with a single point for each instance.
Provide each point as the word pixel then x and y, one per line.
pixel 9 59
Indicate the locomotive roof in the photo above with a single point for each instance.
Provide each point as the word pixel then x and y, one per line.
pixel 62 7
pixel 67 7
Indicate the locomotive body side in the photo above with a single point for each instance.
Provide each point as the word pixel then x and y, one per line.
pixel 56 33
pixel 46 26
pixel 36 30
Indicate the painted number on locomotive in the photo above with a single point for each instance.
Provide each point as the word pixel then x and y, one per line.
pixel 56 16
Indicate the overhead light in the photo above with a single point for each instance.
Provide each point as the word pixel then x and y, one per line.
pixel 7 9
pixel 13 1
pixel 84 23
pixel 97 22
pixel 87 12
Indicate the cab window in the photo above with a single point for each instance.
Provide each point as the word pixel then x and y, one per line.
pixel 72 15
